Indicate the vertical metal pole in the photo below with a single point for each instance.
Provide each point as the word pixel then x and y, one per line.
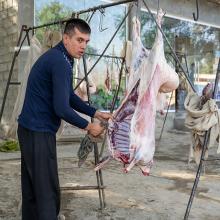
pixel 207 134
pixel 117 90
pixel 87 80
pixel 99 179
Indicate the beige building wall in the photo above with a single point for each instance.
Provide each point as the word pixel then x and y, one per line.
pixel 8 40
pixel 13 14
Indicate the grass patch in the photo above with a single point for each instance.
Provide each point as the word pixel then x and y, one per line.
pixel 9 146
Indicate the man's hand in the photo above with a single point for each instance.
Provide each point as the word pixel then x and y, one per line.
pixel 95 129
pixel 103 116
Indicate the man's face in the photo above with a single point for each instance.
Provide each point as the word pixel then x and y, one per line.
pixel 76 44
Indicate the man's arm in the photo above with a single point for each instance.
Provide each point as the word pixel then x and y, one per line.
pixel 79 105
pixel 61 95
pixel 61 101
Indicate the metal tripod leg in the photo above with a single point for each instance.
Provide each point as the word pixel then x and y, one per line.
pixel 197 176
pixel 99 179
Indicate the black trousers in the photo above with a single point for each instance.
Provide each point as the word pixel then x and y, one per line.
pixel 39 175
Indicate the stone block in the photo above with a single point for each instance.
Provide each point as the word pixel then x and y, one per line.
pixel 14 76
pixel 12 29
pixel 3 67
pixel 6 76
pixel 6 58
pixel 11 39
pixel 6 23
pixel 12 11
pixel 14 19
pixel 3 15
pixel 2 29
pixel 4 50
pixel 3 34
pixel 2 84
pixel 1 79
pixel 12 49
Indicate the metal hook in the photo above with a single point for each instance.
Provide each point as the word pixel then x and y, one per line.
pixel 87 16
pixel 75 15
pixel 89 19
pixel 102 11
pixel 113 61
pixel 196 17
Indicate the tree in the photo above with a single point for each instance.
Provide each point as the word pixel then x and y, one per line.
pixel 51 12
pixel 200 38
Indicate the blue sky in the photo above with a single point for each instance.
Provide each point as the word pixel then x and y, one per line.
pixel 98 39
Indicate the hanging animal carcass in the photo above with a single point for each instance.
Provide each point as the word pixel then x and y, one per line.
pixel 131 134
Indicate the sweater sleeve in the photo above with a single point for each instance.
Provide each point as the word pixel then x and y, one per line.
pixel 61 95
pixel 79 105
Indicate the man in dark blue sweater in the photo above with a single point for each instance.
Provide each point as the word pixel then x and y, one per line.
pixel 49 98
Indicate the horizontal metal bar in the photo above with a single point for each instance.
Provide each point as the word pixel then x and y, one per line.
pixel 105 56
pixel 104 6
pixel 79 12
pixel 15 83
pixel 48 24
pixel 82 187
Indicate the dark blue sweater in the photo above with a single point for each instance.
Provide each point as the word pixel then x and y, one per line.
pixel 49 95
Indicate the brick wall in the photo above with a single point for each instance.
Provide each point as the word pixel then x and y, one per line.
pixel 8 39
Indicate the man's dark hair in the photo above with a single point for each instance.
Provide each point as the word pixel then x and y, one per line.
pixel 78 23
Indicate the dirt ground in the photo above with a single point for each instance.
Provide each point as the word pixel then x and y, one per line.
pixel 161 196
